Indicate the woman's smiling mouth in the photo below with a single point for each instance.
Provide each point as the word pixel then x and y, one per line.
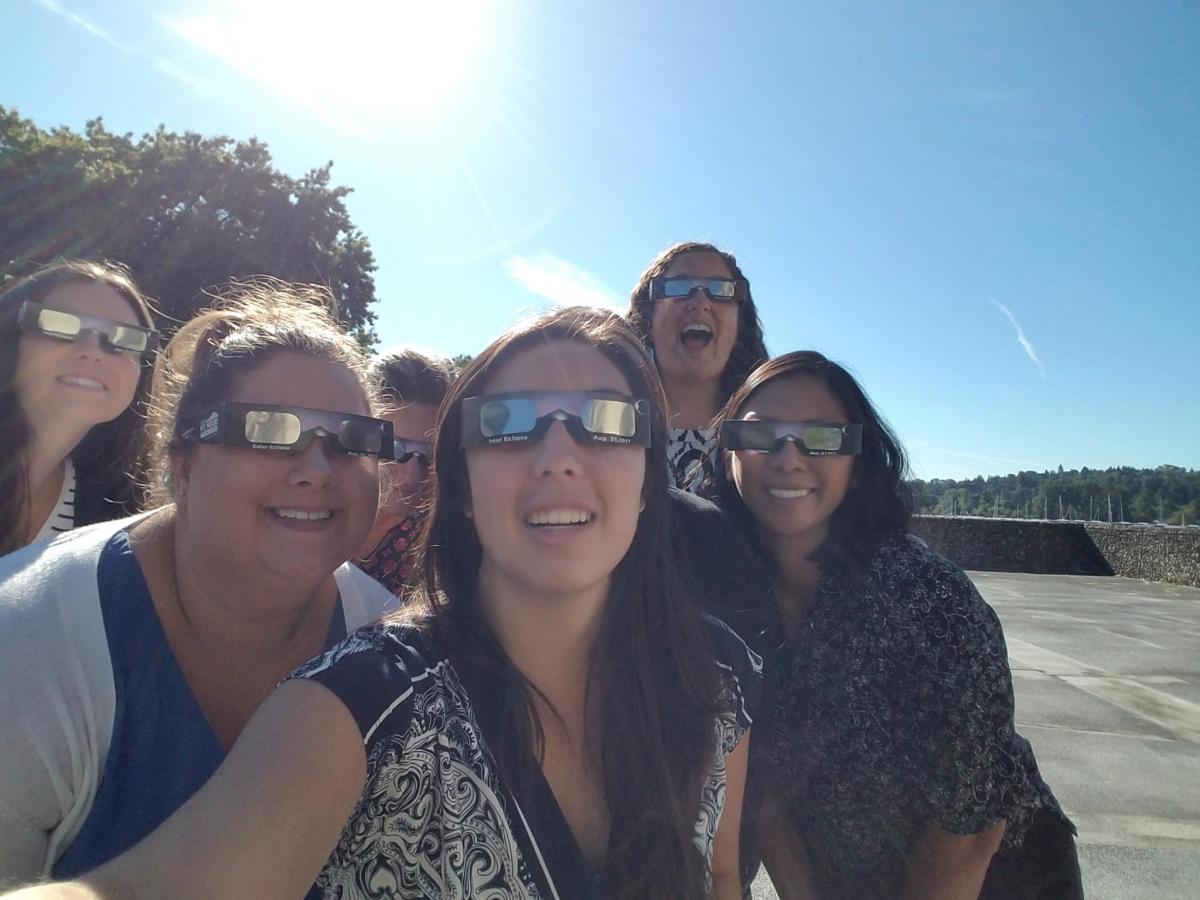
pixel 559 517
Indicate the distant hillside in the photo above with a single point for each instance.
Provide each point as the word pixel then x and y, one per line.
pixel 1168 494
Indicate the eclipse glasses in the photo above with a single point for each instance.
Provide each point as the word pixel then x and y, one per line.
pixel 810 438
pixel 115 337
pixel 591 417
pixel 405 449
pixel 680 287
pixel 265 427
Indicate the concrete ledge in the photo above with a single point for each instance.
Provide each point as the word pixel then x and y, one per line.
pixel 1154 553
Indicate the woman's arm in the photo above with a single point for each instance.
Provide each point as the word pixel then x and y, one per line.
pixel 946 866
pixel 264 824
pixel 727 877
pixel 784 853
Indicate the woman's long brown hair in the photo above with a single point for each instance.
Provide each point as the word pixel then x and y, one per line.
pixel 106 457
pixel 652 693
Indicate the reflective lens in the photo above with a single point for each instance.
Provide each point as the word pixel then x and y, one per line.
pixel 679 287
pixel 513 416
pixel 125 337
pixel 810 438
pixel 406 449
pixel 115 336
pixel 56 321
pixel 717 288
pixel 596 418
pixel 264 427
pixel 361 435
pixel 609 417
pixel 519 415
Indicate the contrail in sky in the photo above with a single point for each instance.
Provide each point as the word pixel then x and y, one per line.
pixel 561 282
pixel 1024 341
pixel 80 22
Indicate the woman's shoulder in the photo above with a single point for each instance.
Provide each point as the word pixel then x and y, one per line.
pixel 406 645
pixel 907 564
pixel 741 671
pixel 375 670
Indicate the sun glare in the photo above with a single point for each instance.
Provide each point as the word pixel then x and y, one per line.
pixel 355 61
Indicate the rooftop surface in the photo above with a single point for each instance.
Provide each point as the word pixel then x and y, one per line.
pixel 1107 679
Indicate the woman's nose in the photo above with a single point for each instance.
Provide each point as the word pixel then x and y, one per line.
pixel 557 452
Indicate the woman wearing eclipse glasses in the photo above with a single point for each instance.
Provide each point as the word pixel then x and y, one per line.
pixel 76 346
pixel 551 718
pixel 692 307
pixel 891 749
pixel 412 385
pixel 133 652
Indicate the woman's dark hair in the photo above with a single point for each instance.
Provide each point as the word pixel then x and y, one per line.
pixel 878 504
pixel 748 351
pixel 105 458
pixel 410 376
pixel 248 323
pixel 652 691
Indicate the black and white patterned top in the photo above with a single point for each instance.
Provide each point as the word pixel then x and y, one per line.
pixel 436 820
pixel 62 517
pixel 893 707
pixel 690 453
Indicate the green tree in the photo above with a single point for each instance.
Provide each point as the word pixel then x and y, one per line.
pixel 185 212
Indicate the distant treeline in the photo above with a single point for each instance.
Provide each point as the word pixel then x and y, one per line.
pixel 1168 494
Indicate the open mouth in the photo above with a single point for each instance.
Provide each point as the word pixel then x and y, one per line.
pixel 696 336
pixel 788 494
pixel 301 515
pixel 559 518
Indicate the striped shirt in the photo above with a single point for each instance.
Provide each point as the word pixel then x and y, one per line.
pixel 62 517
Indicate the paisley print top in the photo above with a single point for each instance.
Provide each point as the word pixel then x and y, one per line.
pixel 436 820
pixel 391 562
pixel 893 706
pixel 690 454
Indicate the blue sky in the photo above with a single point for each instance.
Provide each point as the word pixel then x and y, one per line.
pixel 989 211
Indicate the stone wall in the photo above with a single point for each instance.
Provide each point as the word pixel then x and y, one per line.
pixel 1065 548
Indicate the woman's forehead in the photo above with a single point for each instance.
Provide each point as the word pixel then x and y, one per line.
pixel 703 263
pixel 557 365
pixel 793 398
pixel 291 378
pixel 93 298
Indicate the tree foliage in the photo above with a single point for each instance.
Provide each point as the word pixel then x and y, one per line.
pixel 1168 494
pixel 185 212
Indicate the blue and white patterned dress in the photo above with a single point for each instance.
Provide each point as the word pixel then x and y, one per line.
pixel 436 819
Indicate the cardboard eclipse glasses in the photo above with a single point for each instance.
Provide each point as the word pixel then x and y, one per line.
pixel 591 417
pixel 261 426
pixel 680 287
pixel 810 438
pixel 115 337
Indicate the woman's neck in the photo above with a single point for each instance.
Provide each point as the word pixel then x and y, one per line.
pixel 795 574
pixel 692 404
pixel 232 611
pixel 50 443
pixel 549 638
pixel 381 529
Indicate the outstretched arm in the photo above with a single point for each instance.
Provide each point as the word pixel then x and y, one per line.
pixel 264 824
pixel 946 866
pixel 784 853
pixel 727 884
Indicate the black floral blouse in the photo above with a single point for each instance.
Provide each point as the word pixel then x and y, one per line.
pixel 391 562
pixel 892 707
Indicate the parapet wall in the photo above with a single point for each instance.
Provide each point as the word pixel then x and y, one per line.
pixel 1065 548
